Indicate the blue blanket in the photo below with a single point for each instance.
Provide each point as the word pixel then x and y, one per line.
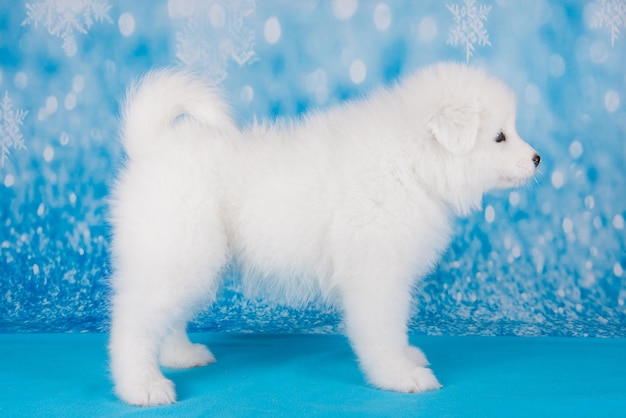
pixel 65 375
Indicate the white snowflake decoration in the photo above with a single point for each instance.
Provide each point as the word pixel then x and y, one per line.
pixel 63 18
pixel 610 14
pixel 469 28
pixel 10 122
pixel 214 33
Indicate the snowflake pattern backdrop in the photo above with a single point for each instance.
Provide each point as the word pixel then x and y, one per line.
pixel 547 259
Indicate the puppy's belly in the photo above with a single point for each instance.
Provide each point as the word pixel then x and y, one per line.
pixel 279 218
pixel 278 245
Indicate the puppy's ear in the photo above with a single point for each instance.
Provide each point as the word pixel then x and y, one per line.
pixel 456 126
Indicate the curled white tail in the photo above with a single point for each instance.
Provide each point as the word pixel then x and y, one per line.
pixel 152 105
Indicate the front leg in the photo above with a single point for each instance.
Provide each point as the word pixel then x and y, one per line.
pixel 376 315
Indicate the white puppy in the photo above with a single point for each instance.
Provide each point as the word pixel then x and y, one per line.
pixel 354 203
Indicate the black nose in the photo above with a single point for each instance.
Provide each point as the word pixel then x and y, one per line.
pixel 536 159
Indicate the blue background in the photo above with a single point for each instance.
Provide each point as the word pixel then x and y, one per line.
pixel 547 259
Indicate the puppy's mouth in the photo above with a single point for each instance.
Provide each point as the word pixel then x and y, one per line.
pixel 514 181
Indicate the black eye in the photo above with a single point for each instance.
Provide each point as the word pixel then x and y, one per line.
pixel 501 137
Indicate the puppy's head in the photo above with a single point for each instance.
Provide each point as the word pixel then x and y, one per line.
pixel 472 121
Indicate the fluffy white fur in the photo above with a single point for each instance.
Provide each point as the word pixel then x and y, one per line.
pixel 354 203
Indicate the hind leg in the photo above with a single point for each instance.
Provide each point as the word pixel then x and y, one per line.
pixel 141 335
pixel 178 352
pixel 135 337
pixel 158 286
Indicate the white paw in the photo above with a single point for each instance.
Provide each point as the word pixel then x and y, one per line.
pixel 186 356
pixel 418 379
pixel 158 391
pixel 417 356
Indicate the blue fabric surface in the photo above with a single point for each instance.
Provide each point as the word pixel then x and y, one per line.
pixel 547 260
pixel 65 375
